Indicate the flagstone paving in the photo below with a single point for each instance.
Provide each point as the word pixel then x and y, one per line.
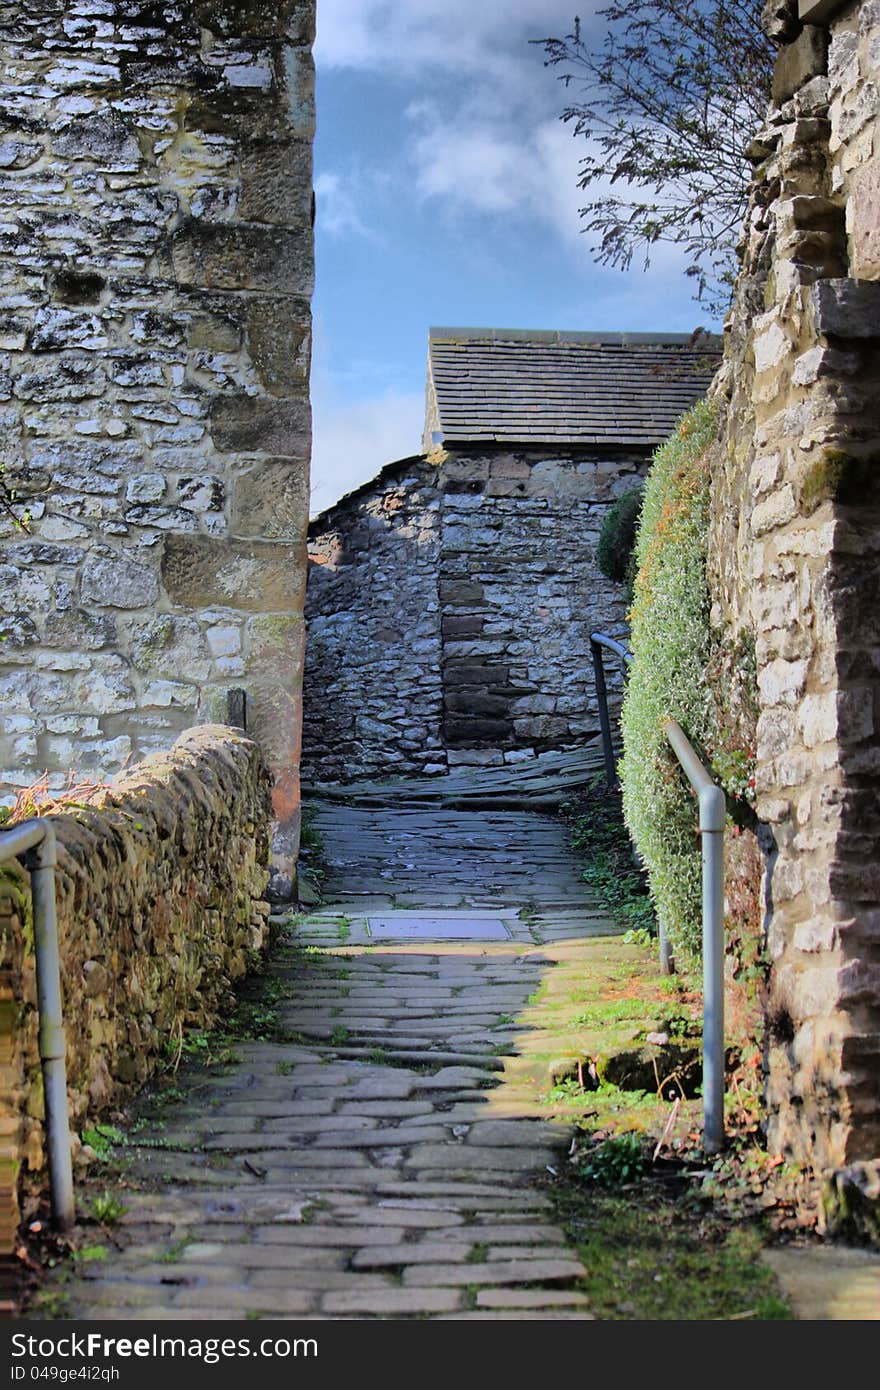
pixel 381 1156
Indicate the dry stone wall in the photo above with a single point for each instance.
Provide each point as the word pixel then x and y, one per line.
pixel 155 172
pixel 449 610
pixel 795 563
pixel 161 906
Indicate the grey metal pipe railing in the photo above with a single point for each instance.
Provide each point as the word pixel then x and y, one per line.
pixel 713 813
pixel 598 640
pixel 33 842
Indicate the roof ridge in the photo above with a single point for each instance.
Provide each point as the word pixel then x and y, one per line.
pixel 698 338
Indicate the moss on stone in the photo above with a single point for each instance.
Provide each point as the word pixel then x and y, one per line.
pixel 842 477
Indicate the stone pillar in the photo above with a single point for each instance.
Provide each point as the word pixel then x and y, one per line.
pixel 154 355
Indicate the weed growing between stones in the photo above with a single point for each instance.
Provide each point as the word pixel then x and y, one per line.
pixel 311 865
pixel 106 1209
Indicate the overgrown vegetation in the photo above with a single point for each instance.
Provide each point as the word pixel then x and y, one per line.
pixel 616 549
pixel 659 1250
pixel 254 1017
pixel 598 834
pixel 311 865
pixel 39 799
pixel 671 643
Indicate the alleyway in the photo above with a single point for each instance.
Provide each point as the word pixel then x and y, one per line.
pixel 386 1157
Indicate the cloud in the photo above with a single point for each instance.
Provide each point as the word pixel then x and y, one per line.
pixel 479 167
pixel 354 439
pixel 483 167
pixel 412 35
pixel 336 208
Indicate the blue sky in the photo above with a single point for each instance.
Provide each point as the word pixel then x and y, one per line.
pixel 446 194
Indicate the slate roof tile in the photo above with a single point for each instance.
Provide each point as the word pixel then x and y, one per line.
pixel 511 386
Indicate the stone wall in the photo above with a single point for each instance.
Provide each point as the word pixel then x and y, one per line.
pixel 160 896
pixel 795 562
pixel 373 701
pixel 449 610
pixel 520 594
pixel 155 165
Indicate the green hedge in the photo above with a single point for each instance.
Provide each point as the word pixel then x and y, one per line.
pixel 670 642
pixel 616 550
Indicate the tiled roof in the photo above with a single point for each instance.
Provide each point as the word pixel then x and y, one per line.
pixel 505 386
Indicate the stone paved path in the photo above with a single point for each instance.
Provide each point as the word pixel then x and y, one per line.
pixel 384 1159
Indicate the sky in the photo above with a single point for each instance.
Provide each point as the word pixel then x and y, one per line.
pixel 446 195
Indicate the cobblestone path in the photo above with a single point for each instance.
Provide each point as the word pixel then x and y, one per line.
pixel 384 1156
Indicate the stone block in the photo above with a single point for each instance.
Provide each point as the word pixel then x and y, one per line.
pixel 279 342
pixel 814 11
pixel 293 20
pixel 463 729
pixel 111 579
pixel 54 329
pixel 463 625
pixel 475 673
pixel 461 591
pixel 261 424
pixel 198 572
pixel 799 61
pixel 864 222
pixel 274 642
pixel 243 257
pixel 276 183
pixel 103 137
pixel 168 645
pixel 846 308
pixel 455 469
pixel 75 629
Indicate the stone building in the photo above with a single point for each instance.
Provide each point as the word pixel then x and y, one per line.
pixel 155 162
pixel 451 598
pixel 795 564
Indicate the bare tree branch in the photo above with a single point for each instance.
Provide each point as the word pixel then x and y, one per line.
pixel 668 104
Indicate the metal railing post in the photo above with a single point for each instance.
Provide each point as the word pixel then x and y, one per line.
pixel 713 812
pixel 33 842
pixel 604 721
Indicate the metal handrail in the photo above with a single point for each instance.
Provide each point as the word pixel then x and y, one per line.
pixel 713 814
pixel 33 843
pixel 598 640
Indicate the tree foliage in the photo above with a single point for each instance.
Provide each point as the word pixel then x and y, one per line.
pixel 667 105
pixel 616 548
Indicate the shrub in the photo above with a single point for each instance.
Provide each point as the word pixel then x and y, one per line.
pixel 670 643
pixel 615 552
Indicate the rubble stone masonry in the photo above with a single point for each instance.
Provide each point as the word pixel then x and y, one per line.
pixel 450 607
pixel 155 176
pixel 795 560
